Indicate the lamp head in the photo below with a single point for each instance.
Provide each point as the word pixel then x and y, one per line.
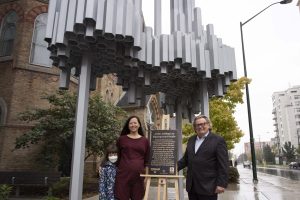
pixel 285 1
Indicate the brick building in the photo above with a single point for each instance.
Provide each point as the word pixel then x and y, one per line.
pixel 26 73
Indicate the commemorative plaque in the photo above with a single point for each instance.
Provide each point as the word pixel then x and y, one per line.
pixel 163 152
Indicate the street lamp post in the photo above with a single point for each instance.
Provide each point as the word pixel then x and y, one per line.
pixel 247 89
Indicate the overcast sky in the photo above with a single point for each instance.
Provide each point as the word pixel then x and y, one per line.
pixel 272 49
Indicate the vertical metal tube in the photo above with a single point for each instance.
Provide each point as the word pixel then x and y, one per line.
pixel 80 130
pixel 233 64
pixel 207 64
pixel 109 29
pixel 188 12
pixel 179 131
pixel 220 56
pixel 80 12
pixel 171 50
pixel 71 16
pixel 120 16
pixel 100 17
pixel 155 52
pixel 186 49
pixel 128 22
pixel 197 25
pixel 50 20
pixel 157 18
pixel 173 13
pixel 149 38
pixel 64 79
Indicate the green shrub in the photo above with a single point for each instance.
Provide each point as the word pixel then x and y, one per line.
pixel 5 191
pixel 51 198
pixel 233 175
pixel 60 188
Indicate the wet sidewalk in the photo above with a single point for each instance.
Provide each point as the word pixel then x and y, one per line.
pixel 269 187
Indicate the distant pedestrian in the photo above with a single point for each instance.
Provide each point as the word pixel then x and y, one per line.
pixel 107 173
pixel 235 163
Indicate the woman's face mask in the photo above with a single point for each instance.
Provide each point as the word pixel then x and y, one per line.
pixel 113 158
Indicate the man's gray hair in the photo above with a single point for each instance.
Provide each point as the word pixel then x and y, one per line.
pixel 202 117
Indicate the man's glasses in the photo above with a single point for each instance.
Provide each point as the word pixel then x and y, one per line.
pixel 201 124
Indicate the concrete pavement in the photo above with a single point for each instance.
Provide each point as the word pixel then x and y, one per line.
pixel 269 187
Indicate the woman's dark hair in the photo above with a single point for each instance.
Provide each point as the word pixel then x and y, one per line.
pixel 126 131
pixel 112 148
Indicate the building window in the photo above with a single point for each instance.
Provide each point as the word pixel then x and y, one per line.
pixel 297 97
pixel 39 52
pixel 297 109
pixel 2 111
pixel 8 32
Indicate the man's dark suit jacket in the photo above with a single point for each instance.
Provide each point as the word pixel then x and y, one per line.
pixel 207 168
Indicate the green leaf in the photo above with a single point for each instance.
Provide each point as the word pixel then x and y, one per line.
pixel 54 128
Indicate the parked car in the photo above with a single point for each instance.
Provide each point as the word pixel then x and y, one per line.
pixel 294 165
pixel 247 163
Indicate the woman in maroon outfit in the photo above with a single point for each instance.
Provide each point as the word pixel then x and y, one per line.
pixel 133 157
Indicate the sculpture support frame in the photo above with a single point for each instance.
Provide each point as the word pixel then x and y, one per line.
pixel 80 130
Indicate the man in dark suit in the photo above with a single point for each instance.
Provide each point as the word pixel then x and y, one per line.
pixel 206 157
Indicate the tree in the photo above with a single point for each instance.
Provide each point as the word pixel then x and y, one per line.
pixel 298 151
pixel 289 151
pixel 187 132
pixel 269 156
pixel 259 155
pixel 221 110
pixel 274 149
pixel 54 129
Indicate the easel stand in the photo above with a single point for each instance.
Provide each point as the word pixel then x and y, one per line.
pixel 162 184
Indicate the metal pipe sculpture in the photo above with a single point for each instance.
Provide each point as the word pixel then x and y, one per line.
pixel 98 37
pixel 113 33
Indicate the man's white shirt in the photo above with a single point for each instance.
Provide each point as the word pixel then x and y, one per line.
pixel 199 141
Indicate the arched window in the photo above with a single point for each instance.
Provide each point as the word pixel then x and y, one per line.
pixel 8 32
pixel 39 53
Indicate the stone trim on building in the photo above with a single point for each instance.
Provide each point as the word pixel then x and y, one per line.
pixel 12 7
pixel 7 1
pixel 34 12
pixel 44 1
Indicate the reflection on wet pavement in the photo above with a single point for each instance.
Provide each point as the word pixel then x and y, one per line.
pixel 268 187
pixel 292 174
